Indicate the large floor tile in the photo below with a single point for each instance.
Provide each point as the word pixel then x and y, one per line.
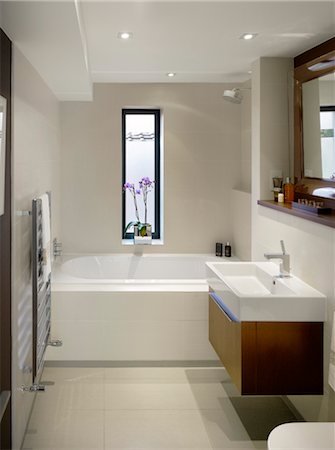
pixel 152 395
pixel 208 395
pixel 73 374
pixel 69 430
pixel 168 408
pixel 207 375
pixel 155 430
pixel 154 374
pixel 71 388
pixel 224 428
pixel 157 374
pixel 65 396
pixel 260 415
pixel 174 394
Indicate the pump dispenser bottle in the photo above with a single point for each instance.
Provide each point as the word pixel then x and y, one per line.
pixel 288 191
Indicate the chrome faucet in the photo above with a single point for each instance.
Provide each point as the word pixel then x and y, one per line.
pixel 284 266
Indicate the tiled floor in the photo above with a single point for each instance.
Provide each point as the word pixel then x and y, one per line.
pixel 137 408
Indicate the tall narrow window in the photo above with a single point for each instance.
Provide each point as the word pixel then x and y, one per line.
pixel 141 158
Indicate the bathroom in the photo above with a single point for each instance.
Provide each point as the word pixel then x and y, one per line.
pixel 218 158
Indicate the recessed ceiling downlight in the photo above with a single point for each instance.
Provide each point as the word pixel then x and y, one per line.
pixel 125 35
pixel 248 36
pixel 171 74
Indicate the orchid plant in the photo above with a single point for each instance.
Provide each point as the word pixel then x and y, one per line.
pixel 145 186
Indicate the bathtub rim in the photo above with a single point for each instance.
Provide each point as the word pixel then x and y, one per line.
pixel 64 282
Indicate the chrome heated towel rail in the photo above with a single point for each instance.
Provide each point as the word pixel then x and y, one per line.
pixel 41 292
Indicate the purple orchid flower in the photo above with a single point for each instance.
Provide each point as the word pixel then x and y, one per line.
pixel 134 192
pixel 146 185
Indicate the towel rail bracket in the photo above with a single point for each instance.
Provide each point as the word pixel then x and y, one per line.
pixel 55 343
pixel 24 213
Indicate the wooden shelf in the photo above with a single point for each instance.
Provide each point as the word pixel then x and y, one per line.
pixel 327 220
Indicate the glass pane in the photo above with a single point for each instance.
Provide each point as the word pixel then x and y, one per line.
pixel 140 162
pixel 327 122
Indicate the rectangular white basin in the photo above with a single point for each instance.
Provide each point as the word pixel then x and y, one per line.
pixel 253 292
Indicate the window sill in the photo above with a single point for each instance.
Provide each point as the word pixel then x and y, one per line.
pixel 131 242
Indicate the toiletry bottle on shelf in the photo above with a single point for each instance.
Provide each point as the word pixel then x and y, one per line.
pixel 288 190
pixel 227 250
pixel 277 187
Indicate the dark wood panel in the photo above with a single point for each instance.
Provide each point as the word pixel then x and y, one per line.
pixel 315 52
pixel 290 358
pixel 225 337
pixel 249 358
pixel 5 248
pixel 298 136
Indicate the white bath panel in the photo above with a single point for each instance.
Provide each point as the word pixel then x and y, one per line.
pixel 122 326
pixel 125 340
pixel 143 340
pixel 82 341
pixel 195 341
pixel 129 306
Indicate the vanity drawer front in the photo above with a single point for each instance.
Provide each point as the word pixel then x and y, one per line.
pixel 290 358
pixel 268 358
pixel 225 337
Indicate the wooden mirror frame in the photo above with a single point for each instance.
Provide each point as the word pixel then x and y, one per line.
pixel 321 53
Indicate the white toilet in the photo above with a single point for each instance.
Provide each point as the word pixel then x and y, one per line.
pixel 303 435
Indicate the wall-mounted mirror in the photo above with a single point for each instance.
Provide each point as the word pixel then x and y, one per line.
pixel 3 111
pixel 318 115
pixel 314 121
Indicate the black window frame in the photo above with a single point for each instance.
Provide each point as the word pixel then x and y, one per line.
pixel 328 108
pixel 157 192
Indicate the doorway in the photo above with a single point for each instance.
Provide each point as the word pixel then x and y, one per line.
pixel 5 252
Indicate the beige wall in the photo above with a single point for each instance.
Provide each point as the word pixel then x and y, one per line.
pixel 241 217
pixel 327 91
pixel 311 246
pixel 202 135
pixel 36 153
pixel 241 195
pixel 245 179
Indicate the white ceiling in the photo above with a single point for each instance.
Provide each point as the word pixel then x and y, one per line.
pixel 48 34
pixel 73 43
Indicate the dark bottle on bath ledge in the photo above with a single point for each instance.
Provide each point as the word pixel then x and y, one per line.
pixel 218 249
pixel 227 250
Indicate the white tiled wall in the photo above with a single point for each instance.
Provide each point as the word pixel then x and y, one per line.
pixel 202 141
pixel 311 246
pixel 245 179
pixel 241 194
pixel 241 217
pixel 36 157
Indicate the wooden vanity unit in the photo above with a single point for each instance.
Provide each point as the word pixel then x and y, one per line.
pixel 268 358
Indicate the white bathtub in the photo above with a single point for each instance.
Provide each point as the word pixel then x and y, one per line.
pixel 111 308
pixel 161 272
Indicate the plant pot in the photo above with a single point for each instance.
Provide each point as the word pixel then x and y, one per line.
pixel 143 234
